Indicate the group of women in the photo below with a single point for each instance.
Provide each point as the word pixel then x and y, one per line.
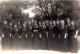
pixel 44 34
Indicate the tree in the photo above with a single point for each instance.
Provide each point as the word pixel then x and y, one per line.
pixel 12 13
pixel 52 9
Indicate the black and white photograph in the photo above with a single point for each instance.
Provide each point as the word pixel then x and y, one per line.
pixel 39 26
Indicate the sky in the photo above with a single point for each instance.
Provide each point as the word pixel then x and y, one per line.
pixel 13 0
pixel 19 0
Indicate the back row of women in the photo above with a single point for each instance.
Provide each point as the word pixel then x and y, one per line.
pixel 59 28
